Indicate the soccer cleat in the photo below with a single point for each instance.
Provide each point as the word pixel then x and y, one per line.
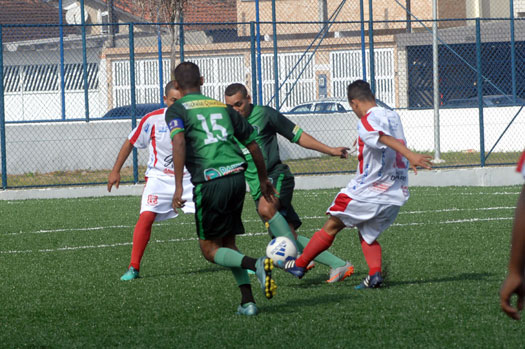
pixel 263 271
pixel 371 281
pixel 341 273
pixel 248 309
pixel 310 265
pixel 131 274
pixel 289 266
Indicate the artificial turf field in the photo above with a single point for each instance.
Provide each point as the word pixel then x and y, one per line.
pixel 445 258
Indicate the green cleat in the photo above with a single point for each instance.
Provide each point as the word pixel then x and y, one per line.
pixel 248 309
pixel 131 274
pixel 263 271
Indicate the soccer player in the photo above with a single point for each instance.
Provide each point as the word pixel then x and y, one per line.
pixel 152 132
pixel 372 199
pixel 202 131
pixel 515 281
pixel 281 216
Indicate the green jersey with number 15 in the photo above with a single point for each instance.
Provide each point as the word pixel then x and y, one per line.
pixel 209 128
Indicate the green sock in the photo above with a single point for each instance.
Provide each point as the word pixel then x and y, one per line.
pixel 279 226
pixel 325 257
pixel 228 258
pixel 241 276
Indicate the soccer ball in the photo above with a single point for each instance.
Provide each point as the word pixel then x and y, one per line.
pixel 280 248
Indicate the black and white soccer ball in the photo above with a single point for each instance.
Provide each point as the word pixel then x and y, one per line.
pixel 281 248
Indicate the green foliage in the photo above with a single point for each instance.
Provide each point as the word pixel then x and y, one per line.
pixel 445 259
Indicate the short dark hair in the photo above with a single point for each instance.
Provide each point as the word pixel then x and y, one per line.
pixel 235 88
pixel 360 90
pixel 169 86
pixel 187 75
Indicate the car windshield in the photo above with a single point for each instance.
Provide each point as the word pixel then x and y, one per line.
pixel 301 108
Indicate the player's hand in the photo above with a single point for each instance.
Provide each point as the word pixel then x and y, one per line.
pixel 342 152
pixel 513 284
pixel 177 201
pixel 268 191
pixel 420 160
pixel 113 179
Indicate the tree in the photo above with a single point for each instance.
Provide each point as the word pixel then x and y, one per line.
pixel 165 11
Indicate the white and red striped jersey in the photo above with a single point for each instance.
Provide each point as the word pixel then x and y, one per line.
pixel 521 165
pixel 152 132
pixel 382 173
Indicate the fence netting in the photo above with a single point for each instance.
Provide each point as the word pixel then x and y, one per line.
pixel 71 97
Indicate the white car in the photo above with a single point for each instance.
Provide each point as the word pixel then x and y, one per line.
pixel 322 106
pixel 329 105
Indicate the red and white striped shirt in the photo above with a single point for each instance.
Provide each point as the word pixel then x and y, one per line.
pixel 382 173
pixel 152 132
pixel 521 165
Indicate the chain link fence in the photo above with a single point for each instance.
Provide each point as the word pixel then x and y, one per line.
pixel 64 86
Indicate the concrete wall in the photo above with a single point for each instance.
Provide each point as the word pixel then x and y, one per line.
pixel 66 146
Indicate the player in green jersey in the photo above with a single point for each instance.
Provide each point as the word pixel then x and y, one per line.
pixel 280 215
pixel 203 133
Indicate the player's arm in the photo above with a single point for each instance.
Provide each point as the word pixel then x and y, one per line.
pixel 514 283
pixel 307 141
pixel 114 175
pixel 178 143
pixel 415 159
pixel 267 189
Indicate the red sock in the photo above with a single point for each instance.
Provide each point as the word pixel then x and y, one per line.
pixel 320 242
pixel 141 236
pixel 372 254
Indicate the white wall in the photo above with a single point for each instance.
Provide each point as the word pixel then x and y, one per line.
pixel 65 146
pixel 29 106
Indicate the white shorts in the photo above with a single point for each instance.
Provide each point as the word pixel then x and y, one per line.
pixel 369 218
pixel 158 195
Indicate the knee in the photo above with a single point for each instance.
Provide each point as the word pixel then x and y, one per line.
pixel 266 210
pixel 209 254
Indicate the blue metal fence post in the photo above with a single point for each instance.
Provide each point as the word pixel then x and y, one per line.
pixel 259 63
pixel 2 115
pixel 161 66
pixel 84 59
pixel 181 39
pixel 363 44
pixel 512 51
pixel 480 94
pixel 275 57
pixel 62 73
pixel 133 102
pixel 254 64
pixel 371 47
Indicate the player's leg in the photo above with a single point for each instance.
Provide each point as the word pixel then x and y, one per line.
pixel 320 241
pixel 218 219
pixel 141 236
pixel 247 306
pixel 369 231
pixel 155 206
pixel 283 182
pixel 339 269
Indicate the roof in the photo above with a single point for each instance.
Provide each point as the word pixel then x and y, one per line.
pixel 22 12
pixel 195 11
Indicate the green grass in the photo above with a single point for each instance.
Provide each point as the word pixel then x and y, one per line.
pixel 445 259
pixel 322 164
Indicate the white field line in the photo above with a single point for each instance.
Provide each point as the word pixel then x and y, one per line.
pixel 118 244
pixel 74 248
pixel 251 220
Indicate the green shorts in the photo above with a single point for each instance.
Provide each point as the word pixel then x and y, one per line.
pixel 284 183
pixel 218 206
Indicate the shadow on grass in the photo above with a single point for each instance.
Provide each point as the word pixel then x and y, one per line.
pixel 452 278
pixel 210 269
